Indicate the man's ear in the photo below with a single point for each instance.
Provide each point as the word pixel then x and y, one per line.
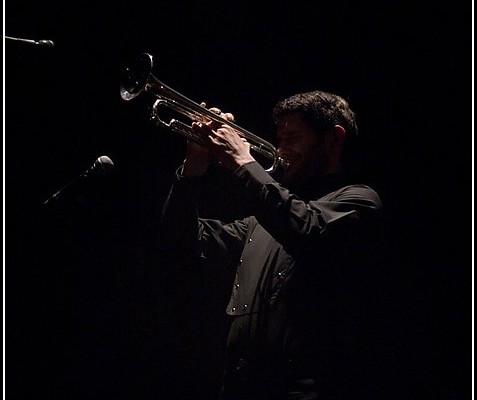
pixel 336 138
pixel 340 133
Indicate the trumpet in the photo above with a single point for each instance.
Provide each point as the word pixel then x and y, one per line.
pixel 137 77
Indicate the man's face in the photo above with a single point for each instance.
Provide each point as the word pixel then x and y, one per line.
pixel 305 150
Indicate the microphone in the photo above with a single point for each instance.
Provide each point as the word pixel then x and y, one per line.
pixel 44 43
pixel 101 167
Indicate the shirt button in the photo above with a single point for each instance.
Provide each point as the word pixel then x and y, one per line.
pixel 245 306
pixel 233 309
pixel 241 364
pixel 237 285
pixel 250 239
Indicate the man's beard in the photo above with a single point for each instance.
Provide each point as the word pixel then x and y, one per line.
pixel 304 172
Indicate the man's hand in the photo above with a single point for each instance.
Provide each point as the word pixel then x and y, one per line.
pixel 229 148
pixel 198 156
pixel 196 161
pixel 223 143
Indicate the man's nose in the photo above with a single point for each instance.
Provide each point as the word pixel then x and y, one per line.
pixel 282 150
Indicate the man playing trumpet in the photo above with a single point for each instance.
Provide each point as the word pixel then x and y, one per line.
pixel 302 292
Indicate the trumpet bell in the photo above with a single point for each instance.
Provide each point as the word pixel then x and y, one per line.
pixel 135 75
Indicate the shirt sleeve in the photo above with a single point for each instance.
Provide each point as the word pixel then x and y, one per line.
pixel 191 236
pixel 301 227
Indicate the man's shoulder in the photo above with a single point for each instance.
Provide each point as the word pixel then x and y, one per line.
pixel 356 192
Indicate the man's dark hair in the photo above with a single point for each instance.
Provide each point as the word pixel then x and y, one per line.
pixel 322 111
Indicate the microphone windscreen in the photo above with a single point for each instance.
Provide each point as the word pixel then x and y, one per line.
pixel 46 43
pixel 105 165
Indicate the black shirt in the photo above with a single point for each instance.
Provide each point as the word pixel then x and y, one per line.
pixel 303 275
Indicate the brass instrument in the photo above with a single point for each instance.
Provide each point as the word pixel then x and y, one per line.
pixel 138 78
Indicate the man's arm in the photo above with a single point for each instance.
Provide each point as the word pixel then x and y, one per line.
pixel 301 226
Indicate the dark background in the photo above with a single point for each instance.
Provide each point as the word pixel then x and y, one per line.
pixel 94 310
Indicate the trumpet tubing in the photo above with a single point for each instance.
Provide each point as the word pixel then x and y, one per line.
pixel 138 78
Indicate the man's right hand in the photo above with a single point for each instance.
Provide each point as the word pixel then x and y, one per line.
pixel 196 161
pixel 198 156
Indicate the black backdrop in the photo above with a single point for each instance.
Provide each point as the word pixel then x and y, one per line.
pixel 93 308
